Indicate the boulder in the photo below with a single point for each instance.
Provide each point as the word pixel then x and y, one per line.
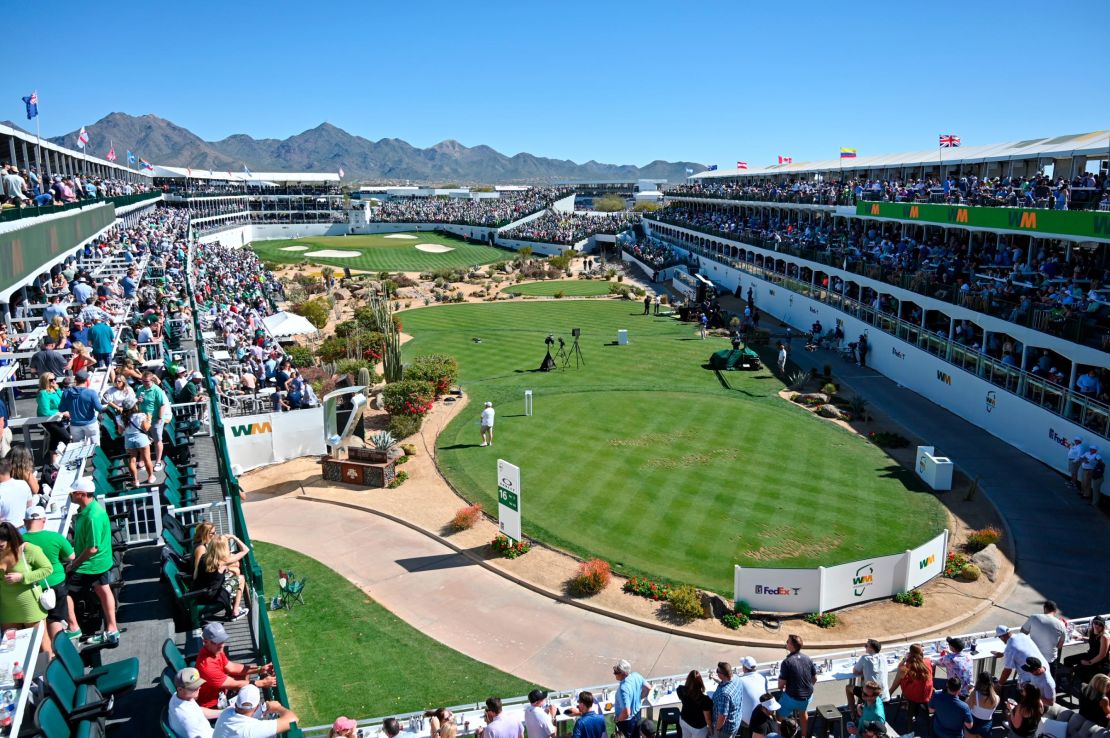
pixel 989 561
pixel 814 398
pixel 378 403
pixel 830 411
pixel 714 605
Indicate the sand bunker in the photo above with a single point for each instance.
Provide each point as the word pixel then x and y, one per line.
pixel 295 248
pixel 333 254
pixel 433 248
pixel 400 235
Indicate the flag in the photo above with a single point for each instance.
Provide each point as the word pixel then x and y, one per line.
pixel 245 170
pixel 948 141
pixel 82 138
pixel 111 155
pixel 144 164
pixel 130 158
pixel 188 172
pixel 786 159
pixel 847 153
pixel 32 103
pixel 689 170
pixel 341 172
pixel 711 168
pixel 211 174
pixel 741 165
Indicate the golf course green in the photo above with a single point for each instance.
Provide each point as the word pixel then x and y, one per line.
pixel 382 252
pixel 649 460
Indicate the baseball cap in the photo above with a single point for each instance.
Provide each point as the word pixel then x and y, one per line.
pixel 214 632
pixel 249 697
pixel 771 704
pixel 1031 664
pixel 197 375
pixel 748 662
pixel 84 484
pixel 536 695
pixel 188 678
pixel 1001 630
pixel 344 723
pixel 489 404
pixel 38 512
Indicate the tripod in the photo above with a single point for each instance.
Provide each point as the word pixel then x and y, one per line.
pixel 562 353
pixel 577 351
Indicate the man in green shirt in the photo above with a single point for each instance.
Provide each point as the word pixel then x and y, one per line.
pixel 152 400
pixel 92 538
pixel 58 552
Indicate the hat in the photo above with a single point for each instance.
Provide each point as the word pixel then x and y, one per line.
pixel 188 678
pixel 249 697
pixel 536 695
pixel 196 375
pixel 81 375
pixel 38 512
pixel 1001 630
pixel 1031 664
pixel 214 632
pixel 955 643
pixel 78 320
pixel 748 662
pixel 344 723
pixel 489 404
pixel 771 704
pixel 1078 440
pixel 84 484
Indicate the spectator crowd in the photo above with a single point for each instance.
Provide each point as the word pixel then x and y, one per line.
pixel 570 228
pixel 24 187
pixel 491 212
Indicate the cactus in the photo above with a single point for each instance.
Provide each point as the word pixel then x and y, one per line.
pixel 383 440
pixel 391 359
pixel 364 380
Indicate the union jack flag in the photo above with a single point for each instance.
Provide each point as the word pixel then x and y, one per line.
pixel 741 165
pixel 948 141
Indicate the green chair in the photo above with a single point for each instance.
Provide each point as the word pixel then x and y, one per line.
pixel 110 680
pixel 291 592
pixel 175 661
pixel 77 702
pixel 50 722
pixel 167 680
pixel 195 607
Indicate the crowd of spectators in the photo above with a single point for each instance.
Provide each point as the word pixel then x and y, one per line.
pixel 569 228
pixel 654 252
pixel 492 212
pixel 23 188
pixel 1038 191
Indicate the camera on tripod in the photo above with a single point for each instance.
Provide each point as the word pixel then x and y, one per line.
pixel 550 340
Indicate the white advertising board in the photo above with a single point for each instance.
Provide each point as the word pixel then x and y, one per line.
pixel 270 438
pixel 779 590
pixel 860 581
pixel 508 499
pixel 927 561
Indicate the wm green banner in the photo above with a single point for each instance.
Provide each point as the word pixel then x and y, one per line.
pixel 25 250
pixel 1092 224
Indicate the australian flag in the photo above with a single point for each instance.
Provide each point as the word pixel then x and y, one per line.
pixel 32 103
pixel 711 168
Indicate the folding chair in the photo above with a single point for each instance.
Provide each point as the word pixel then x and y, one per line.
pixel 290 588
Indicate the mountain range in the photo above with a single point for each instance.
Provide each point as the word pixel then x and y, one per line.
pixel 326 148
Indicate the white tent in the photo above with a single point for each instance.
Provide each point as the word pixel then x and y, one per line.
pixel 285 324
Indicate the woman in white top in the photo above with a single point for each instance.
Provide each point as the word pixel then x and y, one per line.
pixel 119 396
pixel 983 701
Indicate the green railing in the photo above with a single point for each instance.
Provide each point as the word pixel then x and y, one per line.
pixel 10 214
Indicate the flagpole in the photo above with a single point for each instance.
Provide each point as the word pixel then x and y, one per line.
pixel 38 152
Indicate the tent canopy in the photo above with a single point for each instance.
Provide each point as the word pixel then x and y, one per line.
pixel 285 324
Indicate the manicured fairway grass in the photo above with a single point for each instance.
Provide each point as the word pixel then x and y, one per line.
pixel 344 654
pixel 644 458
pixel 381 254
pixel 569 287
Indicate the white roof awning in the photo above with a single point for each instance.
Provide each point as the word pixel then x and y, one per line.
pixel 283 324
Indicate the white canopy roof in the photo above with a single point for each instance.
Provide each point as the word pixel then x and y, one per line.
pixel 1095 144
pixel 285 324
pixel 256 178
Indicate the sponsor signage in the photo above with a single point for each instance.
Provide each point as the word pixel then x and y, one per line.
pixel 251 429
pixel 508 499
pixel 992 401
pixel 779 590
pixel 269 438
pixel 1082 223
pixel 944 377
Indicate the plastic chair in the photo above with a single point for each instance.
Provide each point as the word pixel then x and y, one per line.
pixel 77 702
pixel 172 654
pixel 50 722
pixel 167 680
pixel 668 718
pixel 164 722
pixel 110 680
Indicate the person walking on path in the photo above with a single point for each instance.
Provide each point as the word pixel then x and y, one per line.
pixel 782 358
pixel 703 324
pixel 486 424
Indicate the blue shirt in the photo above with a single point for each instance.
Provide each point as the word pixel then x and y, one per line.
pixel 129 285
pixel 82 291
pixel 4 412
pixel 628 695
pixel 590 725
pixel 82 336
pixel 726 701
pixel 950 715
pixel 53 310
pixel 82 404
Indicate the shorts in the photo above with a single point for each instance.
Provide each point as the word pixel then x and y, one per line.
pixel 136 443
pixel 981 726
pixel 79 580
pixel 80 432
pixel 487 428
pixel 155 431
pixel 789 706
pixel 60 612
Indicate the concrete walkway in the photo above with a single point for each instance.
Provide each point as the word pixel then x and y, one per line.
pixel 1058 536
pixel 449 598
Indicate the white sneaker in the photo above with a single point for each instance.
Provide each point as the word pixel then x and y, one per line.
pixel 484 444
pixel 159 466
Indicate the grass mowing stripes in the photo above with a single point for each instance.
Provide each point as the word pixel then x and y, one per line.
pixel 380 254
pixel 569 287
pixel 374 662
pixel 641 457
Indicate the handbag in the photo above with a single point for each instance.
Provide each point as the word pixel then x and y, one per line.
pixel 46 596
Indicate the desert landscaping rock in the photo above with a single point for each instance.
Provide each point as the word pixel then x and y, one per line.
pixel 830 411
pixel 815 398
pixel 988 561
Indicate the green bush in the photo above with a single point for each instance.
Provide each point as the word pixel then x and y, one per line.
pixel 829 389
pixel 822 620
pixel 734 620
pixel 301 356
pixel 316 311
pixel 913 598
pixel 560 295
pixel 744 608
pixel 409 397
pixel 969 573
pixel 404 426
pixel 398 480
pixel 351 366
pixel 440 370
pixel 982 538
pixel 333 348
pixel 504 547
pixel 686 602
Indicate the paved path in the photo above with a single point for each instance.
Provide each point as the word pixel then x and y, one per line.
pixel 472 610
pixel 1057 535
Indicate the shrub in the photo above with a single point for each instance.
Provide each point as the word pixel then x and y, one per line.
pixel 466 517
pixel 858 407
pixel 398 480
pixel 797 380
pixel 322 382
pixel 301 356
pixel 403 426
pixel 383 440
pixel 401 460
pixel 560 295
pixel 333 348
pixel 734 620
pixel 592 577
pixel 982 538
pixel 440 370
pixel 504 547
pixel 643 587
pixel 969 573
pixel 913 598
pixel 744 608
pixel 351 366
pixel 822 620
pixel 685 600
pixel 409 397
pixel 886 439
pixel 409 449
pixel 829 389
pixel 315 310
pixel 954 564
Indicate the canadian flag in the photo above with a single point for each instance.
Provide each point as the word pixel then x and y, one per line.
pixel 786 160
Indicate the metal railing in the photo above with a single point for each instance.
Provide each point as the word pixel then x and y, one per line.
pixel 144 514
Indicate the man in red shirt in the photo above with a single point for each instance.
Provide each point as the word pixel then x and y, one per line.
pixel 221 675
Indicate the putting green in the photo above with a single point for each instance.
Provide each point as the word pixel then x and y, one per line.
pixel 569 287
pixel 645 458
pixel 380 253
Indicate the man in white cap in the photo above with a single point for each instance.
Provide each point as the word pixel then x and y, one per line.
pixel 753 685
pixel 487 424
pixel 186 717
pixel 242 719
pixel 92 540
pixel 1075 453
pixel 1019 649
pixel 221 675
pixel 539 717
pixel 59 553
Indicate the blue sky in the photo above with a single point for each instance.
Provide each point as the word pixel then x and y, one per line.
pixel 617 82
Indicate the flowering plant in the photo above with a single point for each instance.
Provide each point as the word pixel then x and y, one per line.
pixel 954 564
pixel 644 587
pixel 504 546
pixel 409 397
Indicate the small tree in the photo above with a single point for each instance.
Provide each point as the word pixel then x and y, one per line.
pixel 315 310
pixel 327 273
pixel 609 203
pixel 646 206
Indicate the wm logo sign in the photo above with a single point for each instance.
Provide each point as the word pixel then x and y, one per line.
pixel 1024 219
pixel 863 580
pixel 927 562
pixel 946 378
pixel 251 429
pixel 875 209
